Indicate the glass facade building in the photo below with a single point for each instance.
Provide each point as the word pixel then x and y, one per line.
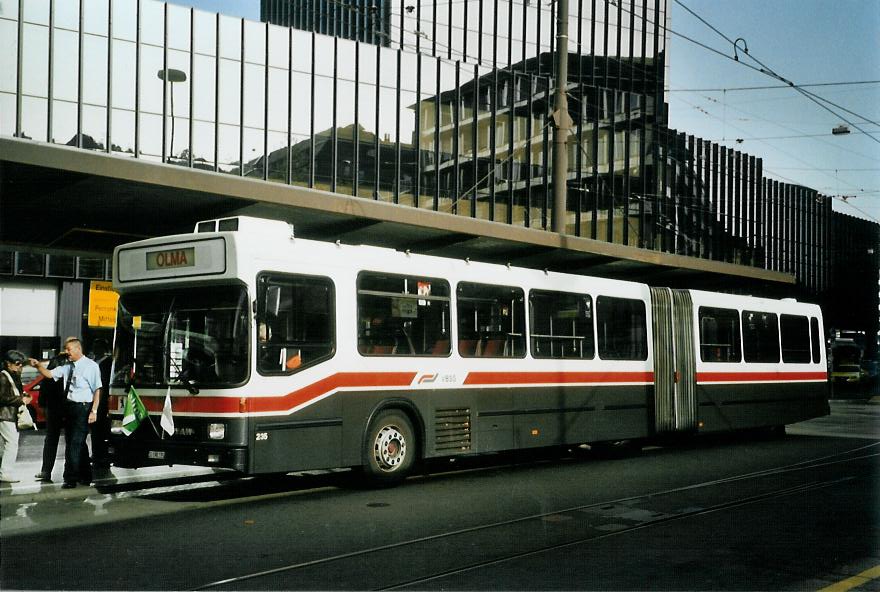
pixel 457 124
pixel 443 105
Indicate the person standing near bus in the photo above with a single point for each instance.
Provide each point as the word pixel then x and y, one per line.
pixel 52 402
pixel 10 400
pixel 82 386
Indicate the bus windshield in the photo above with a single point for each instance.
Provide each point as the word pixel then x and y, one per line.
pixel 193 337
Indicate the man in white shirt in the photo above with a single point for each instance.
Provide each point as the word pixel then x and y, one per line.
pixel 82 386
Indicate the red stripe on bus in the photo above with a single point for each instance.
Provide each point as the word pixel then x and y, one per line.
pixel 517 378
pixel 759 376
pixel 326 385
pixel 212 405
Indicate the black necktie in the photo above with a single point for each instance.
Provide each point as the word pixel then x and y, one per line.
pixel 69 381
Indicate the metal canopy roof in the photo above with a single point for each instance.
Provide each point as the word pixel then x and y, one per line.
pixel 65 198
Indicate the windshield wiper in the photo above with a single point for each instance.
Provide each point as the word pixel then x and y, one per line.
pixel 183 378
pixel 182 375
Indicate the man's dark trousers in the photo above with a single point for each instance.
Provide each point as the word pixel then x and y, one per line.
pixel 54 422
pixel 76 453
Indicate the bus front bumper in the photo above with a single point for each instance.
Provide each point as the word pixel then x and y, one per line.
pixel 132 454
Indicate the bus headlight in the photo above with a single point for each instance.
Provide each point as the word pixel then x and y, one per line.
pixel 216 431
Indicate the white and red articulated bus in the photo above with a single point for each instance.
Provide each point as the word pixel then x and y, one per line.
pixel 283 354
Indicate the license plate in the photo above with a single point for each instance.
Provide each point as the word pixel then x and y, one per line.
pixel 156 454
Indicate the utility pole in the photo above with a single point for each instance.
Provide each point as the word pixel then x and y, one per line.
pixel 561 120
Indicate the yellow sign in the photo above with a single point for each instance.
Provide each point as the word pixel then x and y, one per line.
pixel 102 305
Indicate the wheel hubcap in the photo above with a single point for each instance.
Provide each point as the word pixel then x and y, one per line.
pixel 389 449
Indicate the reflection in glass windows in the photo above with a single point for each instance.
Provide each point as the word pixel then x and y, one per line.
pixel 277 119
pixel 204 89
pixel 295 322
pixel 254 111
pixel 427 114
pixel 795 338
pixel 816 340
pixel 561 325
pixel 229 98
pixel 324 133
pixel 452 135
pixel 403 315
pixel 367 112
pixel 622 329
pixel 388 117
pixel 760 331
pixel 491 321
pixel 301 130
pixel 719 335
pixel 448 103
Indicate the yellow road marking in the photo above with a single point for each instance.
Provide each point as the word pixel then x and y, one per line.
pixel 855 581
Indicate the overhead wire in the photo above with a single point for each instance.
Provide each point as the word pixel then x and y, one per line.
pixel 774 86
pixel 859 190
pixel 765 69
pixel 823 137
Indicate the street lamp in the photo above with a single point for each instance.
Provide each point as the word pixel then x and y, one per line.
pixel 171 75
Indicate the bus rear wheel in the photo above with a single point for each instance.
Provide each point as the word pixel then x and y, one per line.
pixel 390 447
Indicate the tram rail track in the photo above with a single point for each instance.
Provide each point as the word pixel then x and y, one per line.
pixel 606 519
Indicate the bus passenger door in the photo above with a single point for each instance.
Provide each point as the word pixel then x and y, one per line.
pixel 675 406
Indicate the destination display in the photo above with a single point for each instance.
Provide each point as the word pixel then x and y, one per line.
pixel 184 259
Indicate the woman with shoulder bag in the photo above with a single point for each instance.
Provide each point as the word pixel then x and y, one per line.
pixel 10 400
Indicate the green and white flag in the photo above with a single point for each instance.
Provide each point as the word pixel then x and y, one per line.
pixel 134 413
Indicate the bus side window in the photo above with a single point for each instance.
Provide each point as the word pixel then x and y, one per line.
pixel 719 335
pixel 816 340
pixel 622 328
pixel 760 337
pixel 402 315
pixel 561 325
pixel 491 321
pixel 795 337
pixel 295 327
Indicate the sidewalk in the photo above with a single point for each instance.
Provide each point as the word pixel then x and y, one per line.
pixel 114 479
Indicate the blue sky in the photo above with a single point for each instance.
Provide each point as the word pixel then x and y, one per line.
pixel 804 41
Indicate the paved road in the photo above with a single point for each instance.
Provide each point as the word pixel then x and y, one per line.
pixel 800 512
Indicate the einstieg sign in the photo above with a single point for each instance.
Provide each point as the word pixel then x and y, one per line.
pixel 103 302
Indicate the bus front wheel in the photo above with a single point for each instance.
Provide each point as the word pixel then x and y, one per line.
pixel 390 447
